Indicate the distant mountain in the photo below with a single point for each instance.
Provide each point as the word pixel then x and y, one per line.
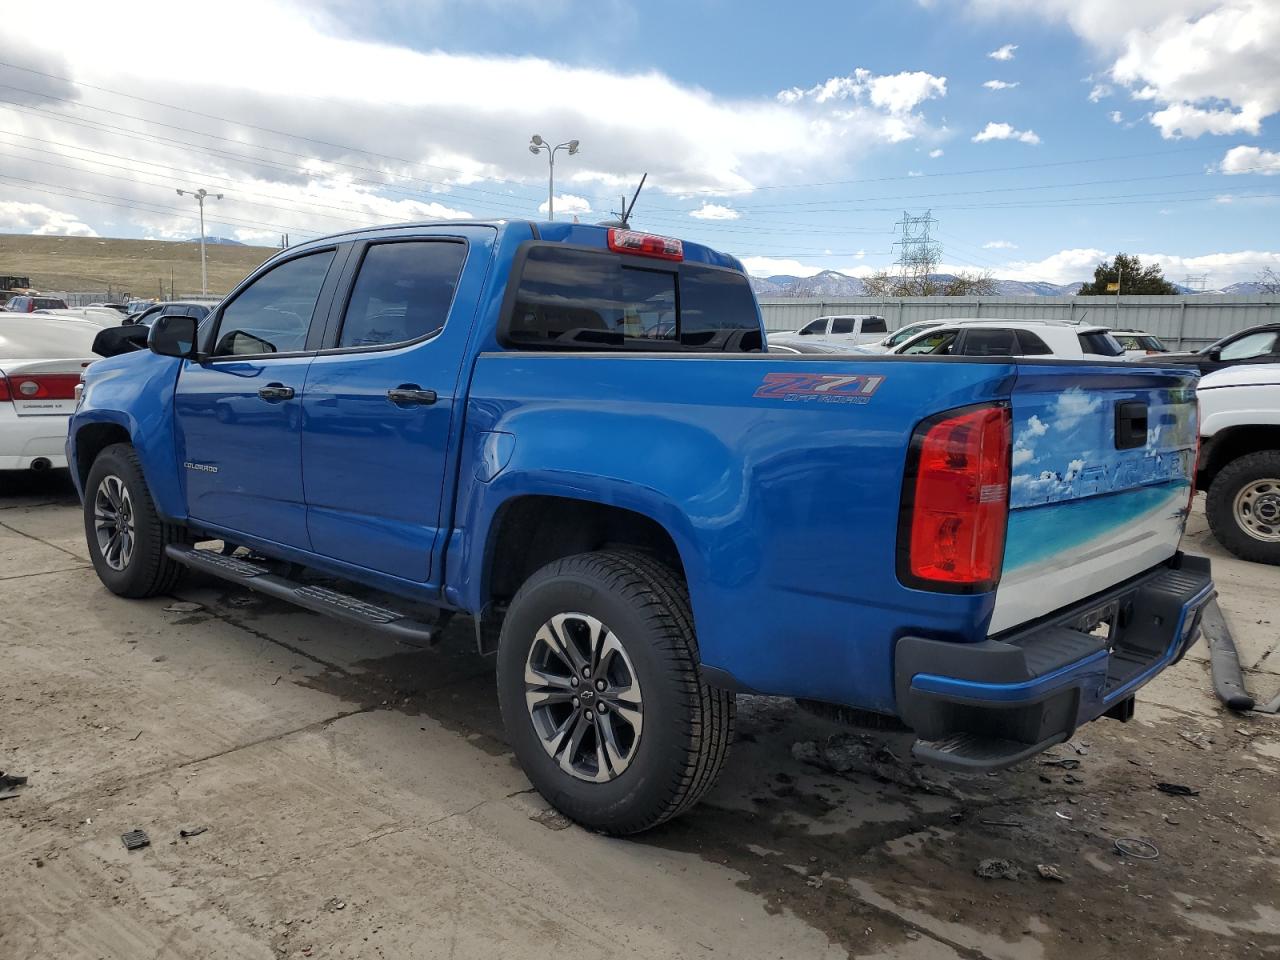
pixel 832 284
pixel 1245 286
pixel 217 241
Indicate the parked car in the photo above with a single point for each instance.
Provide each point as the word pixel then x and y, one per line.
pixel 485 418
pixel 1139 343
pixel 119 308
pixel 901 335
pixel 1014 338
pixel 199 309
pixel 789 343
pixel 1239 466
pixel 40 365
pixel 1259 344
pixel 102 316
pixel 29 303
pixel 853 328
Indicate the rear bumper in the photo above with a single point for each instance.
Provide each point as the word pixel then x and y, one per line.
pixel 990 704
pixel 24 440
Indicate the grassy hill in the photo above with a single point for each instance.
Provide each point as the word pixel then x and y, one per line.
pixel 136 267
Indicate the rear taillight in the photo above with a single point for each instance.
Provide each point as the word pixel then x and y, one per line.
pixel 4 389
pixel 645 244
pixel 955 505
pixel 43 386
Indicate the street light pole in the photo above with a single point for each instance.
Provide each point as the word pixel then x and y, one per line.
pixel 200 196
pixel 538 145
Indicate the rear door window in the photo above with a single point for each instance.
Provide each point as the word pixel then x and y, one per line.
pixel 569 297
pixel 842 325
pixel 402 293
pixel 988 343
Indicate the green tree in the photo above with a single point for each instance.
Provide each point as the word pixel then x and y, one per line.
pixel 1128 271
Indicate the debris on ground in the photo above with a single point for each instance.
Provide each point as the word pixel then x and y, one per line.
pixel 1062 816
pixel 859 753
pixel 1137 848
pixel 1196 739
pixel 997 868
pixel 10 784
pixel 1050 871
pixel 334 904
pixel 1001 823
pixel 183 606
pixel 552 819
pixel 1066 763
pixel 192 832
pixel 1177 789
pixel 135 840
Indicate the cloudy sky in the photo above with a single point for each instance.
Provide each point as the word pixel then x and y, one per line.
pixel 1042 134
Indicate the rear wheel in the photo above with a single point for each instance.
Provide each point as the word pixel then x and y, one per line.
pixel 1243 507
pixel 602 696
pixel 125 534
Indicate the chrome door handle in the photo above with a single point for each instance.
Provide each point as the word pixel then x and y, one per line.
pixel 276 391
pixel 410 394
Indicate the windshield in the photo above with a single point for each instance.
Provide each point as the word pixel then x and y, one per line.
pixel 906 333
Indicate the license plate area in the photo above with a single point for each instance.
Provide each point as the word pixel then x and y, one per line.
pixel 1102 622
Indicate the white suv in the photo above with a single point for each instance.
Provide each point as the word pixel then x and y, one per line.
pixel 1014 338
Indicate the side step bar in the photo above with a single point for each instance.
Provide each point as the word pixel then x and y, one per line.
pixel 970 753
pixel 312 597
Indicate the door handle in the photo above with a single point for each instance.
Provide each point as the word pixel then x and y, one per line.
pixel 276 391
pixel 410 395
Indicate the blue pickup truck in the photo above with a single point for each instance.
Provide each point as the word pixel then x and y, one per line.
pixel 576 435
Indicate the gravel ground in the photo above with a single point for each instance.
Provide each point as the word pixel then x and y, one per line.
pixel 358 800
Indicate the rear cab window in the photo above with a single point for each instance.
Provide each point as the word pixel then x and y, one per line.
pixel 1100 343
pixel 874 325
pixel 575 298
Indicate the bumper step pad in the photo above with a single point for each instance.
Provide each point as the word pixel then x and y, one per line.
pixel 331 603
pixel 977 754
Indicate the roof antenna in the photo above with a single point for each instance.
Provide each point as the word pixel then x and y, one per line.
pixel 624 218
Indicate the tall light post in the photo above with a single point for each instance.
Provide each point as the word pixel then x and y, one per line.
pixel 538 145
pixel 201 195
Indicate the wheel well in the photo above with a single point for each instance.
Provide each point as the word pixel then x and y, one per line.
pixel 91 440
pixel 530 532
pixel 1232 444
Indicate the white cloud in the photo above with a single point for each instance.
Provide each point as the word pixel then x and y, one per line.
pixel 1003 131
pixel 1250 160
pixel 1115 116
pixel 1072 406
pixel 714 211
pixel 1000 85
pixel 18 217
pixel 1065 266
pixel 568 203
pixel 458 121
pixel 1003 53
pixel 1222 269
pixel 1100 91
pixel 915 173
pixel 1209 66
pixel 896 94
pixel 999 245
pixel 935 154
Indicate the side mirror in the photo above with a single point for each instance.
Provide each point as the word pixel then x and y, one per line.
pixel 1215 354
pixel 173 336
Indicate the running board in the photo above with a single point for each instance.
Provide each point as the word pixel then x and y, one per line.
pixel 318 599
pixel 970 753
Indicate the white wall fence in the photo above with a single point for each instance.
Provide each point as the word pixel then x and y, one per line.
pixel 1181 321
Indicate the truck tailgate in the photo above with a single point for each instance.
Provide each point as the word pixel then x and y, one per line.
pixel 1103 456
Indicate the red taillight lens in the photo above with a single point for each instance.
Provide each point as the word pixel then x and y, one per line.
pixel 4 389
pixel 645 244
pixel 45 386
pixel 956 506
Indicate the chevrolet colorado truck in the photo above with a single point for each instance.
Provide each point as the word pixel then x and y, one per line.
pixel 577 436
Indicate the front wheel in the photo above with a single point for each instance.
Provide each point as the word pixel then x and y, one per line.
pixel 125 534
pixel 1243 507
pixel 602 696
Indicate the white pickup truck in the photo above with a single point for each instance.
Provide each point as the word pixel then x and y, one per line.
pixel 1239 463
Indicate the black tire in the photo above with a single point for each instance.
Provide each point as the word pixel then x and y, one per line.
pixel 687 724
pixel 147 571
pixel 1226 520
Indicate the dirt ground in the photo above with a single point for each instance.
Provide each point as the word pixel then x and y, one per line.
pixel 358 800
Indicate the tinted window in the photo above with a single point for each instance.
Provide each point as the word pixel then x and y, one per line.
pixel 1100 343
pixel 402 292
pixel 874 325
pixel 50 303
pixel 906 333
pixel 273 313
pixel 989 343
pixel 584 298
pixel 1030 345
pixel 1153 343
pixel 939 343
pixel 842 325
pixel 1252 345
pixel 816 327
